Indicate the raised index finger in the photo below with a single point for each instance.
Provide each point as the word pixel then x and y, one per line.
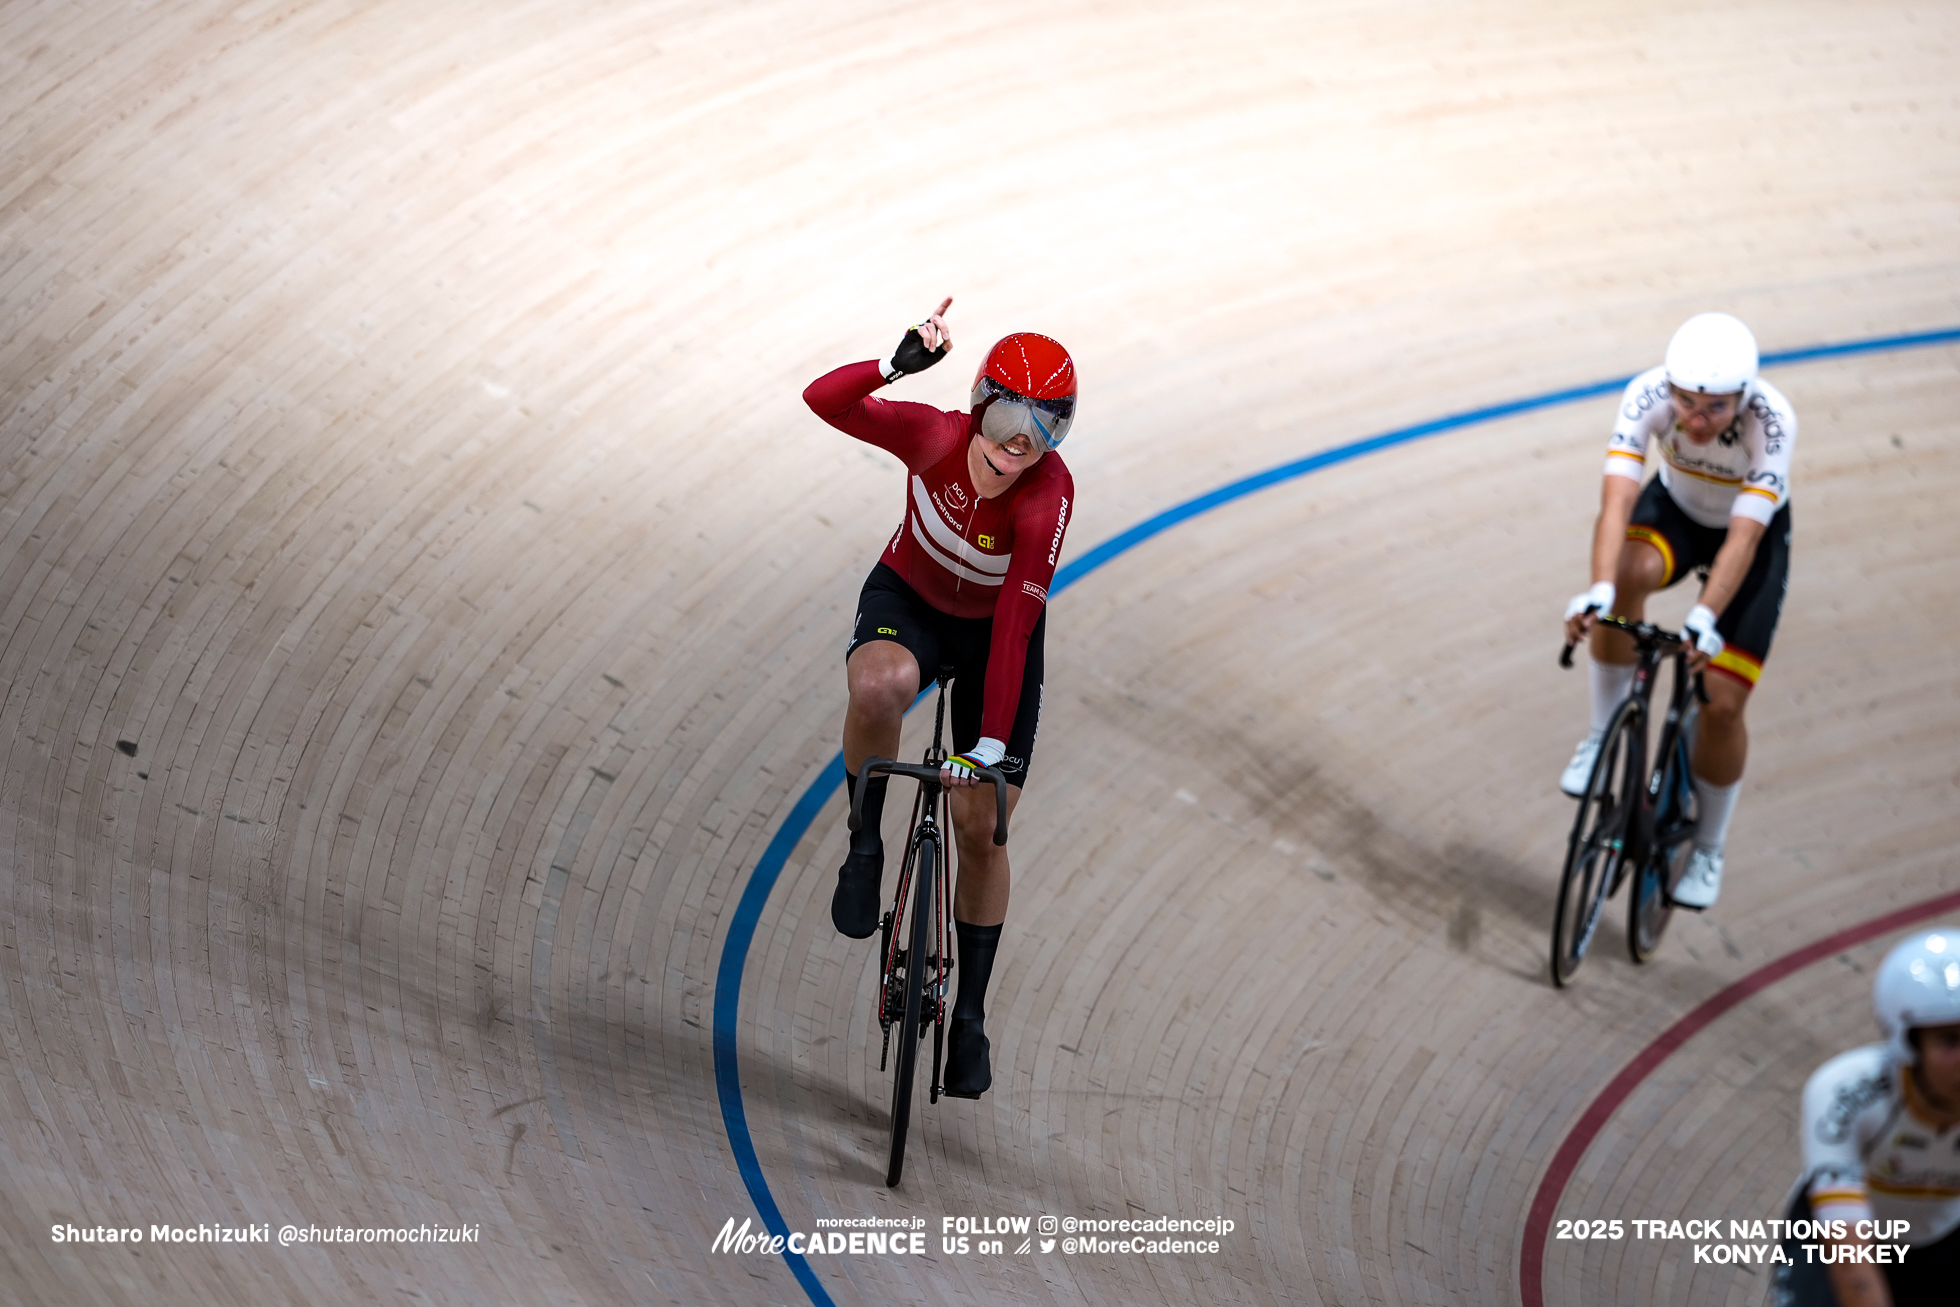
pixel 944 304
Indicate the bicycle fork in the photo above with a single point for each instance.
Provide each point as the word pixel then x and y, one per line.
pixel 934 1009
pixel 932 973
pixel 891 981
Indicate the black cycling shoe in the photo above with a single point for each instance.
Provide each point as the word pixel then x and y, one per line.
pixel 968 1072
pixel 854 907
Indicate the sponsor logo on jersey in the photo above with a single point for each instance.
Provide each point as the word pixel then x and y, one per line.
pixel 1029 587
pixel 946 544
pixel 888 630
pixel 1686 456
pixel 1834 1127
pixel 985 541
pixel 1637 407
pixel 956 496
pixel 1060 523
pixel 1759 408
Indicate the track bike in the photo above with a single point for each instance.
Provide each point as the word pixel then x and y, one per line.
pixel 912 979
pixel 1632 821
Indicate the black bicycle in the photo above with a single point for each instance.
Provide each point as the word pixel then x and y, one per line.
pixel 912 981
pixel 1630 818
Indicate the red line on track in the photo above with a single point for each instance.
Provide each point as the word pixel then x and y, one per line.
pixel 1538 1222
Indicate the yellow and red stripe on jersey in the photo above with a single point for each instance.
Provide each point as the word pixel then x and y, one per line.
pixel 1818 1197
pixel 1658 541
pixel 1744 667
pixel 1758 490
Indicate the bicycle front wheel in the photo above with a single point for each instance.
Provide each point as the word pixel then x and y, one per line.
pixel 1598 841
pixel 1649 906
pixel 925 884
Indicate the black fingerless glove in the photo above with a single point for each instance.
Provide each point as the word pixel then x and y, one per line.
pixel 911 356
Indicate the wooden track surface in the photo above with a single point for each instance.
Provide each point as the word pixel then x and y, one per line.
pixel 400 447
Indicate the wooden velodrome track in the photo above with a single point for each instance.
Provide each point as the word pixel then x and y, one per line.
pixel 401 449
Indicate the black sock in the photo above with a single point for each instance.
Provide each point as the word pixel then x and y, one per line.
pixel 977 945
pixel 867 839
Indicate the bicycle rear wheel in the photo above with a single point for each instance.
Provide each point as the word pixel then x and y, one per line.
pixel 925 884
pixel 1649 907
pixel 1598 841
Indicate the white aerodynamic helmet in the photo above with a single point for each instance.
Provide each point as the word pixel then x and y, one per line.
pixel 1918 984
pixel 1712 354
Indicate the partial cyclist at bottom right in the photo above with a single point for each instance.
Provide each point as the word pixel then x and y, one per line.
pixel 1721 506
pixel 1881 1149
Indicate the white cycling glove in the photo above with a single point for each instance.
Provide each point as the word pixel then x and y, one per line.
pixel 1699 630
pixel 984 754
pixel 1600 597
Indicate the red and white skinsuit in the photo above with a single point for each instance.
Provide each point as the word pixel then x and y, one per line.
pixel 964 555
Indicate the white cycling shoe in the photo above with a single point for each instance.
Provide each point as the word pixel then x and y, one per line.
pixel 1702 881
pixel 1579 770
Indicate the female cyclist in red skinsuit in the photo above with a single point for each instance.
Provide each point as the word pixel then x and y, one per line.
pixel 964 582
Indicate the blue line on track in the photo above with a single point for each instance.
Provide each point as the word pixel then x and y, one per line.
pixel 748 910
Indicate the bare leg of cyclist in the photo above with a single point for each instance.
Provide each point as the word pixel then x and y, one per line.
pixel 884 679
pixel 1722 740
pixel 1721 747
pixel 979 908
pixel 1640 574
pixel 981 896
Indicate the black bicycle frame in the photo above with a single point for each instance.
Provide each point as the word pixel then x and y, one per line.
pixel 929 807
pixel 1653 644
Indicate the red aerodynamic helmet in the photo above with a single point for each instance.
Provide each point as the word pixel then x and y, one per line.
pixel 1026 386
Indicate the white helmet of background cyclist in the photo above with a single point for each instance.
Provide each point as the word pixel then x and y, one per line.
pixel 1712 354
pixel 1918 984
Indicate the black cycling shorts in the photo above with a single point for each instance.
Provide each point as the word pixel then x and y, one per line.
pixel 1748 624
pixel 889 609
pixel 1925 1279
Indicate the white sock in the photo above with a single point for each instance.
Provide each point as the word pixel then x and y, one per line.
pixel 1610 683
pixel 1717 804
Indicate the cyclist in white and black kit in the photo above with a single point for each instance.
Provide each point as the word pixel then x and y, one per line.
pixel 1721 502
pixel 1881 1142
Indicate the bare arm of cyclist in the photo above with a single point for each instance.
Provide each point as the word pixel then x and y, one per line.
pixel 1725 575
pixel 1617 496
pixel 1732 562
